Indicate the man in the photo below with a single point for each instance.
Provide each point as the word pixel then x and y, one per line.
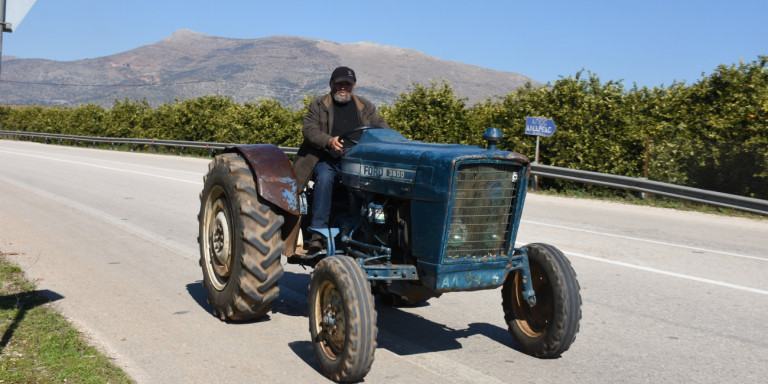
pixel 329 118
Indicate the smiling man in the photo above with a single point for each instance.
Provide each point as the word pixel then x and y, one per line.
pixel 330 118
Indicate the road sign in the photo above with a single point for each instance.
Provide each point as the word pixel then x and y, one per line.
pixel 15 12
pixel 539 126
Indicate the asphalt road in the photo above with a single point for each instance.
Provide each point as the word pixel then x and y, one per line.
pixel 668 296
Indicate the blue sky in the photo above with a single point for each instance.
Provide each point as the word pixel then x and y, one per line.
pixel 646 42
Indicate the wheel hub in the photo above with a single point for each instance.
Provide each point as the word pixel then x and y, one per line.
pixel 217 239
pixel 331 325
pixel 329 319
pixel 220 239
pixel 534 320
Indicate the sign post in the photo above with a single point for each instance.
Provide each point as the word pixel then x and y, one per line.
pixel 3 29
pixel 539 126
pixel 11 14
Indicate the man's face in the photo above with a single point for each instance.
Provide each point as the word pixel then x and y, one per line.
pixel 342 91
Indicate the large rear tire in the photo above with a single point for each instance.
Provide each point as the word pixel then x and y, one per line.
pixel 547 329
pixel 342 319
pixel 240 242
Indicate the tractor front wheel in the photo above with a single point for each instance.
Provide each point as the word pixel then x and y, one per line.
pixel 547 329
pixel 342 319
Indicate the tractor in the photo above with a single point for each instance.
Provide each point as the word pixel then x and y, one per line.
pixel 411 221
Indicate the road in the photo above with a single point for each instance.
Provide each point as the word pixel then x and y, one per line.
pixel 668 296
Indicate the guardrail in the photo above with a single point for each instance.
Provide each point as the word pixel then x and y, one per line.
pixel 654 187
pixel 587 177
pixel 212 146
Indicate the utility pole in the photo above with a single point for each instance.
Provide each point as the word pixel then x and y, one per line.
pixel 2 31
pixel 19 9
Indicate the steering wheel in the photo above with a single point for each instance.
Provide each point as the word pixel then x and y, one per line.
pixel 346 136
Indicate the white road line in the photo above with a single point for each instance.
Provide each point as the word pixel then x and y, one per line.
pixel 103 167
pixel 575 254
pixel 645 240
pixel 102 160
pixel 661 272
pixel 183 250
pixel 668 273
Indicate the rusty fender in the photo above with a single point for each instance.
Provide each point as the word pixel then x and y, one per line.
pixel 275 178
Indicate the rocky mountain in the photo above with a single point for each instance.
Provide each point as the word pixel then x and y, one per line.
pixel 189 64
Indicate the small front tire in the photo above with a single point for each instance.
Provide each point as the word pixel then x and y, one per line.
pixel 547 329
pixel 342 319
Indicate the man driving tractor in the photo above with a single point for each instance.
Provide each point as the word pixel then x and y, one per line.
pixel 330 118
pixel 431 219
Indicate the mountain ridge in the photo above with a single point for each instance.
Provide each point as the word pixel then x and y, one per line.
pixel 189 64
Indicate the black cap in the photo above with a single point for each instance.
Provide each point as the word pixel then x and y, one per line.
pixel 343 74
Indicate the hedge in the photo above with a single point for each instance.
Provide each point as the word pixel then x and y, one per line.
pixel 711 134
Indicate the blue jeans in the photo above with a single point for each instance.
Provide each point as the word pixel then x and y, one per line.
pixel 326 174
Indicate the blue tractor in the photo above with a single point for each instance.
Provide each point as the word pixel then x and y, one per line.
pixel 415 220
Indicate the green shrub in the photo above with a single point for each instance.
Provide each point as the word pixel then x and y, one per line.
pixel 711 134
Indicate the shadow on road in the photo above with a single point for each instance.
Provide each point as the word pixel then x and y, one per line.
pixel 400 331
pixel 303 349
pixel 287 303
pixel 23 302
pixel 197 291
pixel 293 295
pixel 405 333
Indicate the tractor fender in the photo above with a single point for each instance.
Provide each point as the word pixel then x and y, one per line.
pixel 275 178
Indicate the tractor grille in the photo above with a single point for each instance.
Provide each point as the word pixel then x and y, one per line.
pixel 483 209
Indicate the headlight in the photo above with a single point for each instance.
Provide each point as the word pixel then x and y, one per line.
pixel 458 234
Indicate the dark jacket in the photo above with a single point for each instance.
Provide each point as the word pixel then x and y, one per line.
pixel 317 132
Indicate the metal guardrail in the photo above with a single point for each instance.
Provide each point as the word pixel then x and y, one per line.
pixel 586 177
pixel 654 187
pixel 129 141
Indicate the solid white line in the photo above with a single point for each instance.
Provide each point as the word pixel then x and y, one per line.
pixel 668 273
pixel 660 271
pixel 102 167
pixel 646 240
pixel 575 254
pixel 184 250
pixel 71 154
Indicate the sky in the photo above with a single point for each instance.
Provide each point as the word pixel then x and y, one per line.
pixel 643 42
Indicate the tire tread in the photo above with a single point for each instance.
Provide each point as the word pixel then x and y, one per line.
pixel 559 336
pixel 261 240
pixel 356 360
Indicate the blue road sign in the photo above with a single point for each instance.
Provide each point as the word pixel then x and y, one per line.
pixel 539 126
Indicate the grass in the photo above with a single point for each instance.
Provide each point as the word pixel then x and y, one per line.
pixel 38 345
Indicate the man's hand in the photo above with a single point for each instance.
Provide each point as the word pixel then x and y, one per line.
pixel 335 145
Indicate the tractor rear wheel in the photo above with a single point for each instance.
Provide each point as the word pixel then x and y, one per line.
pixel 547 329
pixel 342 319
pixel 240 242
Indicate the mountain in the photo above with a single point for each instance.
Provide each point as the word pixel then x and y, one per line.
pixel 189 64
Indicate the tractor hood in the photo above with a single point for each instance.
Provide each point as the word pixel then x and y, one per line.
pixel 386 162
